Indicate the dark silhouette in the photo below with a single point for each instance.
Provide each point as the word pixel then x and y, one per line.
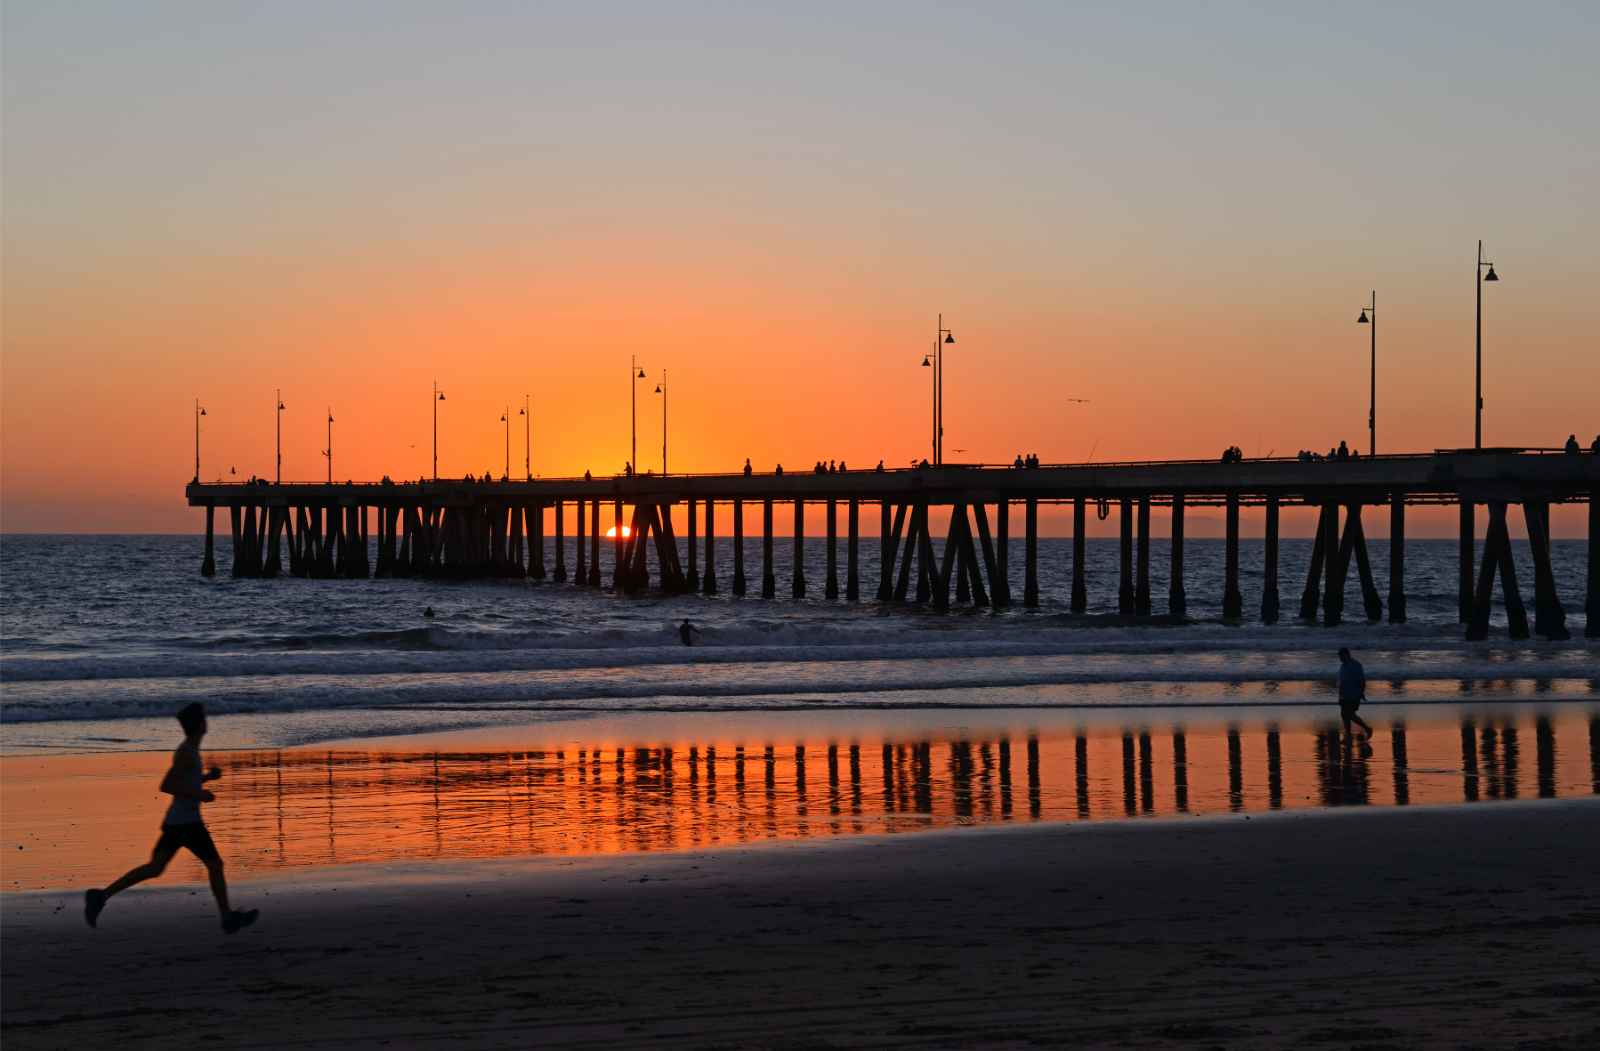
pixel 747 467
pixel 687 632
pixel 627 469
pixel 1018 461
pixel 1572 448
pixel 1594 446
pixel 879 468
pixel 428 613
pixel 586 476
pixel 1344 451
pixel 842 467
pixel 182 828
pixel 1352 691
pixel 778 470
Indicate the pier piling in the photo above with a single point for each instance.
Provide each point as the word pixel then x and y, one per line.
pixel 1232 600
pixel 769 581
pixel 1177 598
pixel 1397 558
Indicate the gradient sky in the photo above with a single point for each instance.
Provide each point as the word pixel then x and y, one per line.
pixel 1174 210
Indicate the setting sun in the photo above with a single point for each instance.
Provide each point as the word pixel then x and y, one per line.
pixel 612 532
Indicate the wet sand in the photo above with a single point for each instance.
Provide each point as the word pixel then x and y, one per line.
pixel 1414 927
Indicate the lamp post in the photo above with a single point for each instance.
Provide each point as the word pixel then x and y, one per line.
pixel 1369 317
pixel 278 419
pixel 933 401
pixel 1477 423
pixel 328 452
pixel 505 418
pixel 438 396
pixel 635 374
pixel 526 412
pixel 939 341
pixel 198 412
pixel 661 389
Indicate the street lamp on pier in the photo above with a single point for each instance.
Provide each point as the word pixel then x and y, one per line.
pixel 933 400
pixel 661 389
pixel 328 452
pixel 278 418
pixel 939 340
pixel 1477 426
pixel 438 396
pixel 635 374
pixel 1369 317
pixel 526 412
pixel 505 418
pixel 198 412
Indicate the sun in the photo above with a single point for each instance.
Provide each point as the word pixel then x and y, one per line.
pixel 612 532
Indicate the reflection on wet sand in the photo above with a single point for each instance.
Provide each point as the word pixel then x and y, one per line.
pixel 300 808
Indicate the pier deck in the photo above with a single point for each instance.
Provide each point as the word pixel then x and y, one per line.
pixel 470 528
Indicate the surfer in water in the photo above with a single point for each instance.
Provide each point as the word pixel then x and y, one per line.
pixel 687 632
pixel 183 827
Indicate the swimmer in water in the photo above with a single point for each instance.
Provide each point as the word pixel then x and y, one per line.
pixel 687 632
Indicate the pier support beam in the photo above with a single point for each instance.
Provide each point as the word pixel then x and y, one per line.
pixel 1177 598
pixel 1030 554
pixel 1269 565
pixel 1549 619
pixel 1232 600
pixel 889 550
pixel 580 571
pixel 692 579
pixel 769 581
pixel 1591 605
pixel 1464 593
pixel 799 575
pixel 619 571
pixel 738 549
pixel 1397 558
pixel 1497 557
pixel 594 542
pixel 560 574
pixel 1080 585
pixel 1333 564
pixel 708 583
pixel 208 561
pixel 852 553
pixel 830 584
pixel 1371 603
pixel 1002 553
pixel 1125 605
pixel 999 594
pixel 1311 598
pixel 1141 587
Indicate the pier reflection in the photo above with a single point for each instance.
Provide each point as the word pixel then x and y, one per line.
pixel 316 807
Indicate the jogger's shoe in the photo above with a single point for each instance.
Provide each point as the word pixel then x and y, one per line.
pixel 94 900
pixel 238 920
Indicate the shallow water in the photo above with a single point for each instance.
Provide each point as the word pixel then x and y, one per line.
pixel 707 781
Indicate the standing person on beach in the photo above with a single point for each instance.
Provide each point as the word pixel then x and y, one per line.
pixel 687 632
pixel 182 827
pixel 1352 691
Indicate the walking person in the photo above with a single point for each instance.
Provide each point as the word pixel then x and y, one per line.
pixel 183 827
pixel 1352 691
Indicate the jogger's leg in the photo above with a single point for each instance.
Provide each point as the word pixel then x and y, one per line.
pixel 1361 723
pixel 219 883
pixel 159 857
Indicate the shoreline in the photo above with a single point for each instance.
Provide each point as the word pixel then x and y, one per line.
pixel 1427 926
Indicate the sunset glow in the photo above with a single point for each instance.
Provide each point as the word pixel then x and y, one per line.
pixel 612 532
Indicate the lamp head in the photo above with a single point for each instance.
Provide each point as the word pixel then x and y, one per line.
pixel 330 417
pixel 441 395
pixel 280 406
pixel 949 337
pixel 658 388
pixel 1491 275
pixel 1362 320
pixel 202 412
pixel 641 373
pixel 522 412
pixel 927 362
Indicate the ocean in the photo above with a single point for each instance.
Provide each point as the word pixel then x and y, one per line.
pixel 105 636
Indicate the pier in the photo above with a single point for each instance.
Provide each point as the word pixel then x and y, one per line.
pixel 481 529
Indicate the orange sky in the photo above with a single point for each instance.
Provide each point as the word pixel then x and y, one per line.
pixel 1188 250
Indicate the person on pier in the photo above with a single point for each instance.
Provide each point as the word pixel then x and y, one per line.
pixel 1571 447
pixel 183 828
pixel 747 467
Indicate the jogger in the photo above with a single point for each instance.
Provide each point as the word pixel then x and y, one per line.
pixel 182 827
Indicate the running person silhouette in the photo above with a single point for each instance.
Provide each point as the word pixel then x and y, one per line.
pixel 182 827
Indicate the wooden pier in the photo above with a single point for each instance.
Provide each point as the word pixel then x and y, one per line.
pixel 471 529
